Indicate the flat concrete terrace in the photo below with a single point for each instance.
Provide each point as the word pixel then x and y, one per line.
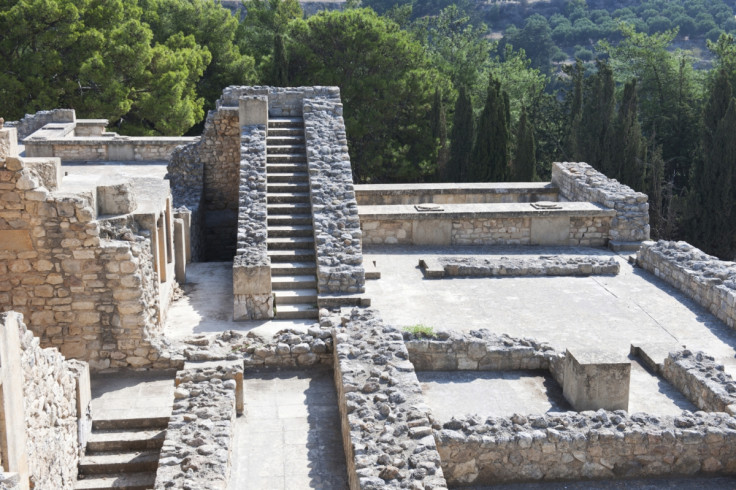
pixel 289 436
pixel 446 193
pixel 608 312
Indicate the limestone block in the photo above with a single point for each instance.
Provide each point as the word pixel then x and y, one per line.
pixel 180 259
pixel 550 230
pixel 595 380
pixel 253 110
pixel 116 199
pixel 16 240
pixel 251 279
pixel 8 143
pixel 431 232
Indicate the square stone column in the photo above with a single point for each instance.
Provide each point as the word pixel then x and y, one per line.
pixel 596 379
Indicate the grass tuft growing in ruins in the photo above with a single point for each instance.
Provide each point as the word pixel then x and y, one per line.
pixel 420 330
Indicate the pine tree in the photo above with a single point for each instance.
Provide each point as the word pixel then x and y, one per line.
pixel 280 67
pixel 524 165
pixel 595 132
pixel 461 140
pixel 490 156
pixel 628 148
pixel 438 127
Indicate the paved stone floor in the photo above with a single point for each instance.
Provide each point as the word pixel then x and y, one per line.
pixel 207 305
pixel 289 436
pixel 603 312
pixel 702 483
pixel 132 395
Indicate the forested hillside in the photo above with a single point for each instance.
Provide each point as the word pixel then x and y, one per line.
pixel 433 90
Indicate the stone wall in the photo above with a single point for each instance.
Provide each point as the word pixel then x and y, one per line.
pixel 703 381
pixel 586 445
pixel 33 122
pixel 709 281
pixel 252 266
pixel 579 181
pixel 337 233
pixel 543 265
pixel 282 101
pixel 386 429
pixel 95 299
pixel 197 450
pixel 455 193
pixel 105 148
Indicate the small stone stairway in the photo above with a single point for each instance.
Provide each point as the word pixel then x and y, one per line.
pixel 290 232
pixel 122 454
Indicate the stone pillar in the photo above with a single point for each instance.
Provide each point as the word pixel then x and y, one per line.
pixel 252 290
pixel 116 199
pixel 8 143
pixel 12 420
pixel 180 259
pixel 80 370
pixel 186 217
pixel 595 380
pixel 162 261
pixel 253 110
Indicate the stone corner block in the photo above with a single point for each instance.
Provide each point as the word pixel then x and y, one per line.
pixel 251 279
pixel 253 110
pixel 596 380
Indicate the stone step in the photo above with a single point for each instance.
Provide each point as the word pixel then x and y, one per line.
pixel 289 219
pixel 285 122
pixel 118 462
pixel 128 481
pixel 292 268
pixel 285 149
pixel 296 312
pixel 288 243
pixel 290 231
pixel 297 255
pixel 288 131
pixel 289 208
pixel 291 197
pixel 296 297
pixel 289 177
pixel 284 140
pixel 138 440
pixel 293 282
pixel 286 167
pixel 125 424
pixel 281 187
pixel 288 158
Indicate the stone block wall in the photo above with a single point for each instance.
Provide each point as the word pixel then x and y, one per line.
pixel 703 381
pixel 579 181
pixel 387 434
pixel 95 299
pixel 197 450
pixel 543 265
pixel 586 445
pixel 282 101
pixel 337 234
pixel 33 122
pixel 706 279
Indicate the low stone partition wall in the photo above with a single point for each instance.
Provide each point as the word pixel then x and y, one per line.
pixel 569 223
pixel 457 193
pixel 33 122
pixel 197 449
pixel 251 265
pixel 282 101
pixel 706 279
pixel 542 265
pixel 386 429
pixel 586 445
pixel 703 381
pixel 337 234
pixel 579 181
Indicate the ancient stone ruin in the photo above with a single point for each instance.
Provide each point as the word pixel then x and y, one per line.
pixel 203 312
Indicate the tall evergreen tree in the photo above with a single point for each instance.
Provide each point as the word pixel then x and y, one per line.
pixel 438 127
pixel 576 111
pixel 524 164
pixel 596 127
pixel 461 140
pixel 490 156
pixel 628 148
pixel 280 67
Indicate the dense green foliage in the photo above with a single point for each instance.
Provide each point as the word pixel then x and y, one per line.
pixel 490 156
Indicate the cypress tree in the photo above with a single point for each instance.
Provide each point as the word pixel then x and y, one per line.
pixel 595 132
pixel 461 140
pixel 438 127
pixel 490 156
pixel 628 148
pixel 280 67
pixel 576 111
pixel 524 165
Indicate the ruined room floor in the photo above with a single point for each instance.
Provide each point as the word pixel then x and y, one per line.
pixel 599 312
pixel 289 436
pixel 132 395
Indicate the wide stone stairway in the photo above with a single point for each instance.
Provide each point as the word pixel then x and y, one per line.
pixel 290 233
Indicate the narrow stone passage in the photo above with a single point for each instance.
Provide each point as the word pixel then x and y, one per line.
pixel 289 436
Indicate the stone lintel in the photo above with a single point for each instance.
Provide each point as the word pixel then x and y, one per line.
pixel 596 379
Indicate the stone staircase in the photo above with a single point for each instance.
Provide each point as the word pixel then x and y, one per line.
pixel 290 233
pixel 122 454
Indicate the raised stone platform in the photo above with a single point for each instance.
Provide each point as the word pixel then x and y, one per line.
pixel 455 193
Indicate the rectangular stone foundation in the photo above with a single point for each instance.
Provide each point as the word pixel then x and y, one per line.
pixel 595 380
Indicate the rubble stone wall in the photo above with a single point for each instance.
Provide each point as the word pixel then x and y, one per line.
pixel 579 181
pixel 105 148
pixel 337 234
pixel 95 299
pixel 282 101
pixel 33 122
pixel 585 445
pixel 197 450
pixel 386 429
pixel 706 279
pixel 543 265
pixel 702 380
